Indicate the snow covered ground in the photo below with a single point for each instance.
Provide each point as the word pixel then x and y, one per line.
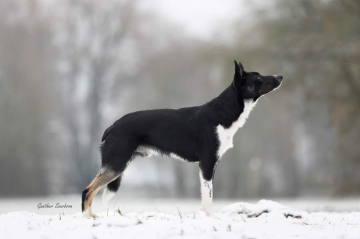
pixel 264 219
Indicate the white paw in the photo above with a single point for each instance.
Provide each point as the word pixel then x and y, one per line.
pixel 205 213
pixel 88 214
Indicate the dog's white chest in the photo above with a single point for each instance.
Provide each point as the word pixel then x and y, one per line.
pixel 225 136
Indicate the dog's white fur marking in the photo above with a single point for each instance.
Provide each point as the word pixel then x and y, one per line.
pixel 87 213
pixel 206 194
pixel 148 152
pixel 107 195
pixel 175 156
pixel 225 136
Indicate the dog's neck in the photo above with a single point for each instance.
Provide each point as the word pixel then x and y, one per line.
pixel 230 108
pixel 231 114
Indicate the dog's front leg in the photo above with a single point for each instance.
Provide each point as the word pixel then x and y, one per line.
pixel 206 194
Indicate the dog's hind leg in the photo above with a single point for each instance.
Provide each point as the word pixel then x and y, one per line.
pixel 101 179
pixel 116 154
pixel 111 189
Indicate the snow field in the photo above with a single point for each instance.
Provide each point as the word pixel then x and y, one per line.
pixel 265 219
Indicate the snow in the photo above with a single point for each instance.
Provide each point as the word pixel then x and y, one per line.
pixel 265 219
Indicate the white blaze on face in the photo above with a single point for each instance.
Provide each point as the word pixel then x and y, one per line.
pixel 206 194
pixel 225 136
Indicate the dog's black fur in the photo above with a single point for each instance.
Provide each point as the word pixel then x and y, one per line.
pixel 190 132
pixel 187 132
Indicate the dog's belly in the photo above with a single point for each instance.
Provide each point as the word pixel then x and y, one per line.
pixel 145 151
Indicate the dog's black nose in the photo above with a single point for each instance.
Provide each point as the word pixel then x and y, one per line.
pixel 279 77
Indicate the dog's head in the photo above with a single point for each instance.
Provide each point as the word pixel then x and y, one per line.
pixel 252 85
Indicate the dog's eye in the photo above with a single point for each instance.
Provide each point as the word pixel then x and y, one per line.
pixel 258 83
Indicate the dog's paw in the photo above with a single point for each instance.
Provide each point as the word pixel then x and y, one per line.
pixel 88 214
pixel 209 214
pixel 92 215
pixel 84 215
pixel 203 213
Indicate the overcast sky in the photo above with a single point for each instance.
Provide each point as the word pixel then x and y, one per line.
pixel 201 17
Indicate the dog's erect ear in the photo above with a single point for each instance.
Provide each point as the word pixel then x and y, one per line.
pixel 239 71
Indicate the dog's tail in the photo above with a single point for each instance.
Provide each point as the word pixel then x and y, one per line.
pixel 111 189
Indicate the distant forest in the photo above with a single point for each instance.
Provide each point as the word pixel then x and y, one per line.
pixel 70 68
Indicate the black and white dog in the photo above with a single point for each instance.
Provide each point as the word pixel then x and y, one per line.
pixel 200 134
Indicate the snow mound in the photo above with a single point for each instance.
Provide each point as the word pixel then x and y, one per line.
pixel 263 206
pixel 265 219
